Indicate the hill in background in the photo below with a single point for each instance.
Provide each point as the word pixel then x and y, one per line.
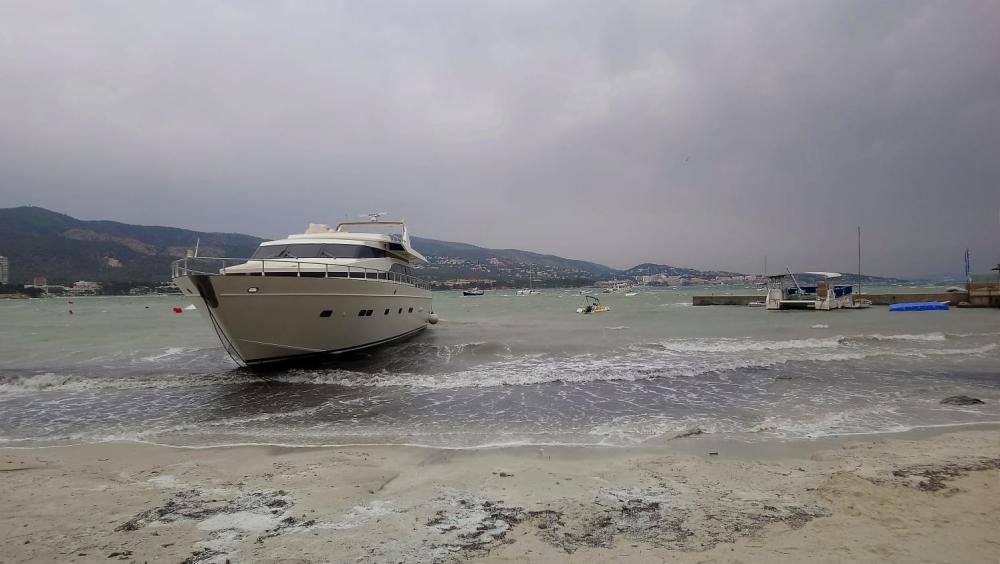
pixel 40 242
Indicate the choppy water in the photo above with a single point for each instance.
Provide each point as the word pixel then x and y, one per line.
pixel 498 369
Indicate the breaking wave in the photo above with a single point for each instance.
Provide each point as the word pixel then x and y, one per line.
pixel 55 381
pixel 492 363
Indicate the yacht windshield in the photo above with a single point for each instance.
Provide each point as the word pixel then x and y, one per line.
pixel 317 250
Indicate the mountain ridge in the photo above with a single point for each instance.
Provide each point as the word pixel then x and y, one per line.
pixel 42 242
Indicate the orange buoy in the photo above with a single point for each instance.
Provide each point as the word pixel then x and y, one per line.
pixel 177 309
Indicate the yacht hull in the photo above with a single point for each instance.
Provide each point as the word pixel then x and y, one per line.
pixel 267 319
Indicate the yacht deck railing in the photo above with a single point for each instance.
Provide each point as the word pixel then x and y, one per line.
pixel 216 266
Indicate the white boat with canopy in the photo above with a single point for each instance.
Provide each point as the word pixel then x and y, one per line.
pixel 824 295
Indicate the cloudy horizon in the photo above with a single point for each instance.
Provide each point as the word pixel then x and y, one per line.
pixel 686 133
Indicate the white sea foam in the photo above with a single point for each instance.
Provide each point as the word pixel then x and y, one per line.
pixel 740 345
pixel 746 344
pixel 823 424
pixel 972 351
pixel 36 382
pixel 637 429
pixel 908 337
pixel 52 381
pixel 236 422
pixel 498 367
pixel 167 353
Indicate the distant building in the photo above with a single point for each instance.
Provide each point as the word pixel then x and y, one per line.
pixel 463 282
pixel 85 288
pixel 40 282
pixel 4 271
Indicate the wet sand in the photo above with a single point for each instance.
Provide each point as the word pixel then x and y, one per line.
pixel 914 498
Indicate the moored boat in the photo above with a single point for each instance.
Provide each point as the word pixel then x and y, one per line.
pixel 592 305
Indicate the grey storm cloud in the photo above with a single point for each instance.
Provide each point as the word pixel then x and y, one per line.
pixel 702 134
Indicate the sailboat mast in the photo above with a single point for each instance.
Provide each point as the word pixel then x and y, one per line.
pixel 859 259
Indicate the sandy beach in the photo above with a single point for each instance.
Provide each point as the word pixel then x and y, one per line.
pixel 904 498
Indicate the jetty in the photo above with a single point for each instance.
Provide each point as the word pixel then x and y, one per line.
pixel 952 298
pixel 982 297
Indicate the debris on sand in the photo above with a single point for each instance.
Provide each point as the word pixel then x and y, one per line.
pixel 931 478
pixel 228 521
pixel 473 527
pixel 657 517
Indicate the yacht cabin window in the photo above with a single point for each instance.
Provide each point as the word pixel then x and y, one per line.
pixel 317 250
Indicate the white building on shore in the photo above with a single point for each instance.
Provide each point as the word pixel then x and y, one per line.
pixel 84 288
pixel 4 271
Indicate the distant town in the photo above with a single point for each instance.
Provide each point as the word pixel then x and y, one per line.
pixel 490 273
pixel 496 272
pixel 46 253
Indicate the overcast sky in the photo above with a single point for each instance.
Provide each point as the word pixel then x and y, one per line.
pixel 702 134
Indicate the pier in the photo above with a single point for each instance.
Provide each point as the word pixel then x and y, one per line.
pixel 983 297
pixel 952 298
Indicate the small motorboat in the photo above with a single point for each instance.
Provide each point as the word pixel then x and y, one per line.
pixel 630 294
pixel 593 305
pixel 473 292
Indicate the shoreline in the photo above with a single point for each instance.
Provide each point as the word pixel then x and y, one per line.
pixel 920 494
pixel 684 443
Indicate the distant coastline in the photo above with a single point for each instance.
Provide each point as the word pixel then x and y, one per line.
pixel 41 243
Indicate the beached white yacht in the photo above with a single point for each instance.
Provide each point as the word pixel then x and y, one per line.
pixel 325 291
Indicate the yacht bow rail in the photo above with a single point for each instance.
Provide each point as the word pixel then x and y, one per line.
pixel 216 266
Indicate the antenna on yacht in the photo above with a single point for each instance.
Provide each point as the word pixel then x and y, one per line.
pixel 193 253
pixel 373 216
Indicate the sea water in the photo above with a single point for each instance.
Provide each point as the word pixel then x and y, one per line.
pixel 498 369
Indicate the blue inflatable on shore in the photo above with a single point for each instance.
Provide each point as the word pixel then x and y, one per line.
pixel 919 306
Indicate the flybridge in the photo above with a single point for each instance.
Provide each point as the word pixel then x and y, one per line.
pixel 392 236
